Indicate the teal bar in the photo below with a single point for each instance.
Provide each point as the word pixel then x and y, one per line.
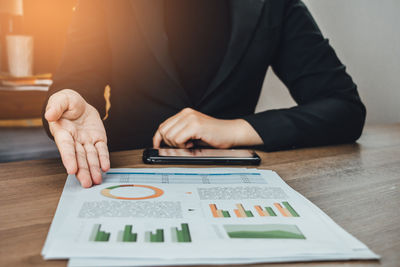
pixel 99 236
pixel 249 213
pixel 180 236
pixel 133 237
pixel 160 235
pixel 186 233
pixel 95 230
pixel 106 236
pixel 226 214
pixel 153 237
pixel 127 233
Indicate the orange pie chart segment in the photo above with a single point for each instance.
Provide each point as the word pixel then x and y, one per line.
pixel 107 192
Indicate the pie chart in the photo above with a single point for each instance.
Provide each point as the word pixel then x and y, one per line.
pixel 132 192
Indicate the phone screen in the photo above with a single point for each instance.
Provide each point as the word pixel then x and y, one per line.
pixel 198 153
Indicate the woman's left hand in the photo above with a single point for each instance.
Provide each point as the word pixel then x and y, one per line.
pixel 190 125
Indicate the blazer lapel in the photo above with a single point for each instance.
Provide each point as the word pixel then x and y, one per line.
pixel 150 17
pixel 245 15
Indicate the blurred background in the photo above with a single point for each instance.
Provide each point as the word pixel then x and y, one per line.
pixel 366 37
pixel 364 34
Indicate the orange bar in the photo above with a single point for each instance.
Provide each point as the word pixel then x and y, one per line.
pixel 238 213
pixel 213 208
pixel 281 210
pixel 287 212
pixel 220 215
pixel 259 210
pixel 241 210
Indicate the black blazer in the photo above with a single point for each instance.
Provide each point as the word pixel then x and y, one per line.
pixel 123 44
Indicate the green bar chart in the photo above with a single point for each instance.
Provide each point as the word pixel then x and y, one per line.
pixel 127 235
pixel 156 237
pixel 182 235
pixel 97 235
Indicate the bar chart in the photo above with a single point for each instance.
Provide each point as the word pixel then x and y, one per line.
pixel 181 236
pixel 157 236
pixel 241 212
pixel 217 213
pixel 287 210
pixel 267 211
pixel 126 235
pixel 97 235
pixel 277 209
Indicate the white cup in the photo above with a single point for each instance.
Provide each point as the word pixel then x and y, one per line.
pixel 20 55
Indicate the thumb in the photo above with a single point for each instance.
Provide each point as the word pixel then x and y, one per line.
pixel 61 102
pixel 56 106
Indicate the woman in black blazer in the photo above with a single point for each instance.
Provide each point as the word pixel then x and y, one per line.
pixel 188 70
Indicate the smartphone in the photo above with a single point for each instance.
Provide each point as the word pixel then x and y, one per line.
pixel 201 156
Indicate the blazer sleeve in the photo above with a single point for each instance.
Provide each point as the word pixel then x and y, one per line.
pixel 329 109
pixel 85 65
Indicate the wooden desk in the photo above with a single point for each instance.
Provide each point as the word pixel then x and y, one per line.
pixel 358 185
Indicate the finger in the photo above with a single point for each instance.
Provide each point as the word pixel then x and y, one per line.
pixel 93 163
pixel 56 106
pixel 83 174
pixel 187 134
pixel 161 137
pixel 157 138
pixel 189 144
pixel 163 128
pixel 66 146
pixel 174 130
pixel 169 122
pixel 166 141
pixel 66 104
pixel 104 155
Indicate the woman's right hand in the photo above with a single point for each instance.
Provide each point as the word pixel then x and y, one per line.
pixel 80 136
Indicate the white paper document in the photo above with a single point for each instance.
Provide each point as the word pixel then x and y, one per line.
pixel 182 216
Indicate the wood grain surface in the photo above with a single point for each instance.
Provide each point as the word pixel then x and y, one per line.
pixel 357 185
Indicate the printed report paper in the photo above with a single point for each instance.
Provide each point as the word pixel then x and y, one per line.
pixel 173 216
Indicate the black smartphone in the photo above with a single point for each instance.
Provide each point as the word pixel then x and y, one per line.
pixel 201 156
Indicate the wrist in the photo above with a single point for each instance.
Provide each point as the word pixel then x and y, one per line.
pixel 245 134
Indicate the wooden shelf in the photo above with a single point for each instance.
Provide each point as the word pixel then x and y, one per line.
pixel 21 104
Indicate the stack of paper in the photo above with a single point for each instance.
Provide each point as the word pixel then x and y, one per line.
pixel 193 216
